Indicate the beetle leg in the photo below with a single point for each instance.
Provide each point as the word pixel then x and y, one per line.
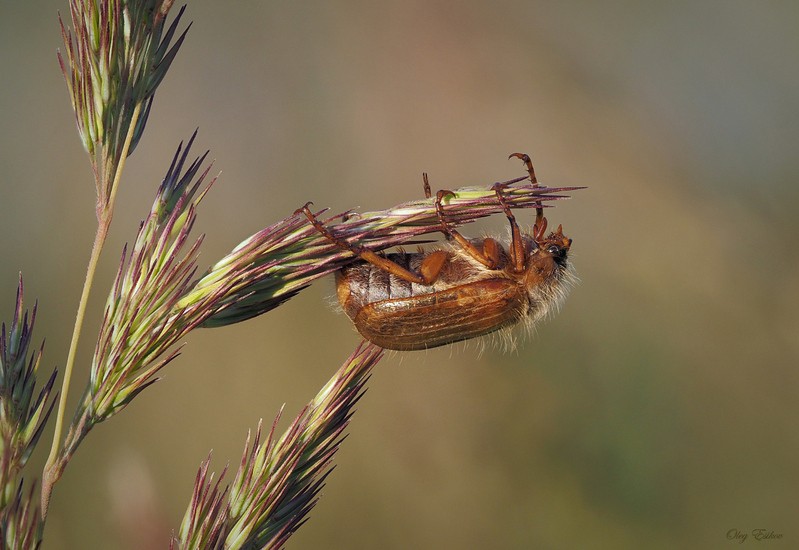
pixel 539 211
pixel 518 255
pixel 429 269
pixel 539 230
pixel 489 256
pixel 427 192
pixel 525 158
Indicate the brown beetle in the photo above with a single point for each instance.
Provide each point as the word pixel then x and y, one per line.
pixel 420 300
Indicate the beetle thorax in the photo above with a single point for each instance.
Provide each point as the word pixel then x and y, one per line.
pixel 548 275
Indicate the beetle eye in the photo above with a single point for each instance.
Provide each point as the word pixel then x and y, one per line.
pixel 558 253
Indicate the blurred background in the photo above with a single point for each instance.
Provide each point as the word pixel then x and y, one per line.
pixel 657 410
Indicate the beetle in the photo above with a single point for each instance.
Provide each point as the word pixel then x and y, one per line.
pixel 419 300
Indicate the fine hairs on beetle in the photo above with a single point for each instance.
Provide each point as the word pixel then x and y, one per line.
pixel 469 288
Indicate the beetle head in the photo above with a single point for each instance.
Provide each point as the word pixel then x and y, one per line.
pixel 557 246
pixel 548 259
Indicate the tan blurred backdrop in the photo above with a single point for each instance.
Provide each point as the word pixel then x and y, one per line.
pixel 657 410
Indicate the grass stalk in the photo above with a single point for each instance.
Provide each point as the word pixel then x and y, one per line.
pixel 105 213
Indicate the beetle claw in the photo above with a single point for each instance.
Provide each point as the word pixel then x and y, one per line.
pixel 303 209
pixel 440 210
pixel 427 192
pixel 499 186
pixel 443 193
pixel 539 210
pixel 525 158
